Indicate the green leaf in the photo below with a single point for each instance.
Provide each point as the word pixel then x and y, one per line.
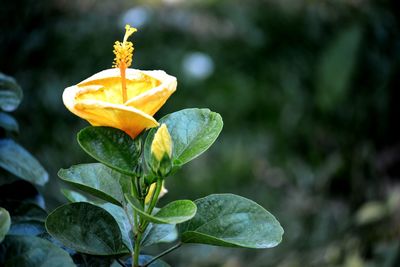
pixel 33 228
pixel 24 211
pixel 135 203
pixel 86 228
pixel 193 131
pixel 5 222
pixel 231 221
pixel 123 223
pixel 143 259
pixel 371 212
pixel 29 251
pixel 116 211
pixel 155 233
pixel 8 123
pixel 111 147
pixel 21 163
pixel 10 93
pixel 174 212
pixel 336 67
pixel 159 233
pixel 73 196
pixel 98 180
pixel 27 218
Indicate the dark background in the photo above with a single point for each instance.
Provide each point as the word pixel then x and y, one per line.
pixel 308 91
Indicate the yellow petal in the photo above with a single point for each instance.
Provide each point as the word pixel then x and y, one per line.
pixel 150 101
pixel 106 85
pixel 98 99
pixel 162 143
pixel 130 120
pixel 151 190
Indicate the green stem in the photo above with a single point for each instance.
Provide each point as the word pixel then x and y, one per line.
pixel 143 223
pixel 135 219
pixel 154 200
pixel 135 225
pixel 154 197
pixel 136 253
pixel 135 192
pixel 163 254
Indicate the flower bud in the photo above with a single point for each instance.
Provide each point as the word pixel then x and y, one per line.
pixel 161 152
pixel 151 192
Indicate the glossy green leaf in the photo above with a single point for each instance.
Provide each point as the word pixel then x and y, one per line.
pixel 86 228
pixel 5 222
pixel 193 131
pixel 159 233
pixel 123 222
pixel 111 147
pixel 10 93
pixel 231 221
pixel 98 180
pixel 8 122
pixel 116 211
pixel 155 233
pixel 30 251
pixel 73 196
pixel 21 163
pixel 174 212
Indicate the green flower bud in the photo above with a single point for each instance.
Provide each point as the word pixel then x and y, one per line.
pixel 161 152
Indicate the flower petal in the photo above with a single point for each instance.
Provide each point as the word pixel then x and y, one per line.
pixel 152 100
pixel 128 119
pixel 98 99
pixel 106 85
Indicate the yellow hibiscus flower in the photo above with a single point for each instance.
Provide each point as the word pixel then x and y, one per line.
pixel 121 97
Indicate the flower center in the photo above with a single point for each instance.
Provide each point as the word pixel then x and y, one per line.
pixel 123 57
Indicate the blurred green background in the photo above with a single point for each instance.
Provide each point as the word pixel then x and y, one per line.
pixel 307 91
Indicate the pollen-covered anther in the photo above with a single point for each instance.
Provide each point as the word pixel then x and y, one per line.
pixel 123 58
pixel 123 54
pixel 124 50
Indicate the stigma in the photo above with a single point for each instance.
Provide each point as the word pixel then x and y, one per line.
pixel 123 57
